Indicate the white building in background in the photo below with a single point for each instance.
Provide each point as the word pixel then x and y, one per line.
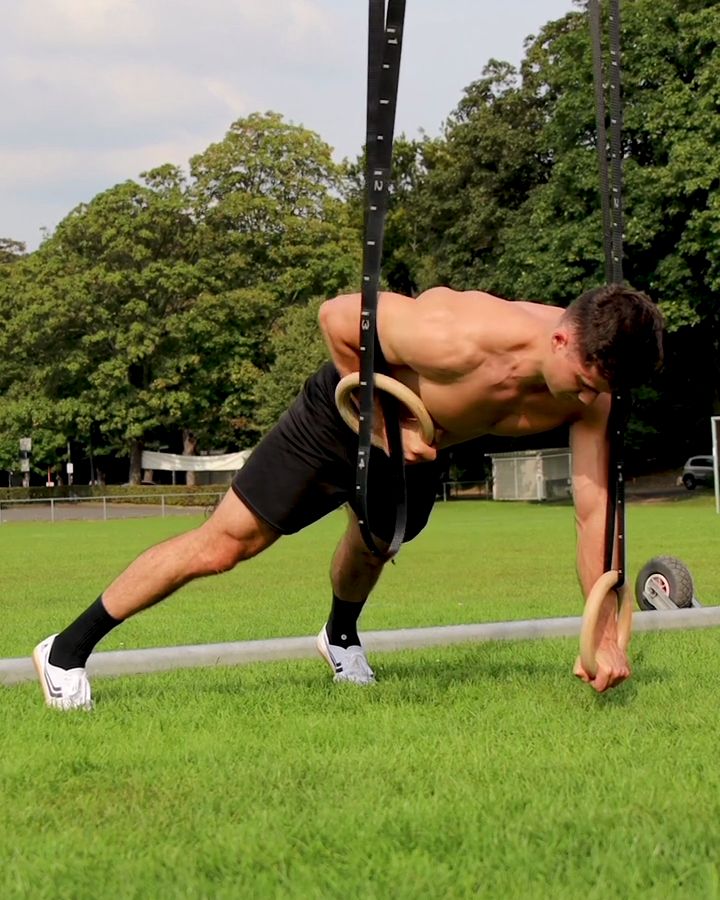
pixel 532 475
pixel 213 468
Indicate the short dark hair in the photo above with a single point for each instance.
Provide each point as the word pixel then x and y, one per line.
pixel 620 331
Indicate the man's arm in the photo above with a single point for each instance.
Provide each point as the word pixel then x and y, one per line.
pixel 414 334
pixel 589 446
pixel 425 335
pixel 590 452
pixel 340 325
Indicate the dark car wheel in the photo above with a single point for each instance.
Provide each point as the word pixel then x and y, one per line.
pixel 666 574
pixel 689 481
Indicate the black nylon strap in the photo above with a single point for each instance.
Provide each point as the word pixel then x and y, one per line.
pixel 615 514
pixel 601 129
pixel 384 53
pixel 616 236
pixel 611 201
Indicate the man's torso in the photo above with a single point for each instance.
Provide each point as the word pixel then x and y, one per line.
pixel 500 392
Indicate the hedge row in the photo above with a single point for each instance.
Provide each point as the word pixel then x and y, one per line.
pixel 135 493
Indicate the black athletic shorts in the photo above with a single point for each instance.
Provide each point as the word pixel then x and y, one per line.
pixel 305 467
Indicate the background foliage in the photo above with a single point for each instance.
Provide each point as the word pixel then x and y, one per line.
pixel 179 310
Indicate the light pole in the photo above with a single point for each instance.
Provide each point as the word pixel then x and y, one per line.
pixel 70 468
pixel 25 450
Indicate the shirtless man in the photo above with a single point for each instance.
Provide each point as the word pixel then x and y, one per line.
pixel 481 365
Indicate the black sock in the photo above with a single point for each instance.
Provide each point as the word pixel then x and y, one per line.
pixel 342 624
pixel 71 648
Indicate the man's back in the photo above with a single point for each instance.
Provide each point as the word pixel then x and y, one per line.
pixel 478 362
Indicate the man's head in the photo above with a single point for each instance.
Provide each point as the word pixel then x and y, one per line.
pixel 616 332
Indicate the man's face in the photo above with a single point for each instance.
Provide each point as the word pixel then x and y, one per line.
pixel 567 376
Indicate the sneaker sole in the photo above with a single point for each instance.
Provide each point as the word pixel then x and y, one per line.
pixel 324 652
pixel 38 663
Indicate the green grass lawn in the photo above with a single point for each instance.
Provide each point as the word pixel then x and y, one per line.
pixel 480 770
pixel 476 562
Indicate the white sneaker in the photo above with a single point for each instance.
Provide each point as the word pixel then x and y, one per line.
pixel 348 664
pixel 63 688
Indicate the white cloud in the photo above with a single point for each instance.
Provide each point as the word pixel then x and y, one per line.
pixel 96 91
pixel 49 168
pixel 129 100
pixel 101 25
pixel 291 20
pixel 93 23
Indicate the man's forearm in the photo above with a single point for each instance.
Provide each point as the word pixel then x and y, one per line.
pixel 590 566
pixel 590 550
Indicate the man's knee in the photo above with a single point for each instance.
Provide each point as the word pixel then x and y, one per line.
pixel 222 552
pixel 231 535
pixel 362 554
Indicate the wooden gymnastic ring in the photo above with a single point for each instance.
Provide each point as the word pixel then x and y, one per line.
pixel 588 646
pixel 397 389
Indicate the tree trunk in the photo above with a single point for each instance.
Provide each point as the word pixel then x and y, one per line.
pixel 136 449
pixel 189 449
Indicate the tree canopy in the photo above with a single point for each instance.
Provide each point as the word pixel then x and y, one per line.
pixel 181 306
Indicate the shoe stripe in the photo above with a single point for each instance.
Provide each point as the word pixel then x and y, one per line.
pixel 331 658
pixel 53 689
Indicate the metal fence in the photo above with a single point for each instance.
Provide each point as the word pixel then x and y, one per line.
pixel 140 506
pixel 125 506
pixel 465 490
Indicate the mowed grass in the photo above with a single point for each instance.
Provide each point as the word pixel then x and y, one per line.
pixel 475 562
pixel 480 770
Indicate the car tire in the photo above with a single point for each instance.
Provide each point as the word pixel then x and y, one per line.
pixel 673 576
pixel 689 482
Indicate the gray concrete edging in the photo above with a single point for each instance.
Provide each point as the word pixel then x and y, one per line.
pixel 158 659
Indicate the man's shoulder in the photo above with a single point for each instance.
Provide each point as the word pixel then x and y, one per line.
pixel 465 302
pixel 441 291
pixel 534 307
pixel 480 306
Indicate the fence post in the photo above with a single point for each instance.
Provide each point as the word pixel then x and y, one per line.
pixel 52 509
pixel 162 505
pixel 104 509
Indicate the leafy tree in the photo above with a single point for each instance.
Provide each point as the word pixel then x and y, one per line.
pixel 136 319
pixel 552 245
pixel 267 196
pixel 39 361
pixel 477 175
pixel 132 249
pixel 299 350
pixel 166 307
pixel 402 237
pixel 11 251
pixel 510 203
pixel 46 421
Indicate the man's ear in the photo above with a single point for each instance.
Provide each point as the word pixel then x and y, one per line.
pixel 560 339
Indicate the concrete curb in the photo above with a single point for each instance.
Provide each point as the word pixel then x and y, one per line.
pixel 158 659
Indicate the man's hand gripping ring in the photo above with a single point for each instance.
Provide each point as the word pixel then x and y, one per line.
pixel 588 642
pixel 346 408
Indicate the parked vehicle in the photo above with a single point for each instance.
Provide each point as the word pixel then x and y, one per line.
pixel 698 470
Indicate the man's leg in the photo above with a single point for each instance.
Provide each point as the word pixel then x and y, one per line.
pixel 353 574
pixel 233 533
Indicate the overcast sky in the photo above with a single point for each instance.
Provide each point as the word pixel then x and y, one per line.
pixel 94 92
